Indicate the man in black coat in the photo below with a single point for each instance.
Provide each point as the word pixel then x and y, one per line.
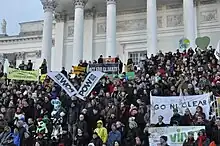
pixel 160 122
pixel 29 65
pixel 64 72
pixel 96 140
pixel 176 118
pixel 100 60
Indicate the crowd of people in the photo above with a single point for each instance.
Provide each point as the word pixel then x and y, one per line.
pixel 116 113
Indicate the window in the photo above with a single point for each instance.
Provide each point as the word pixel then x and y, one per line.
pixel 136 56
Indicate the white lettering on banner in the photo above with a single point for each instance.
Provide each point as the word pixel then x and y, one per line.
pixel 104 67
pixel 98 69
pixel 110 69
pixel 184 105
pixel 87 86
pixel 164 106
pixel 90 82
pixel 175 134
pixel 63 82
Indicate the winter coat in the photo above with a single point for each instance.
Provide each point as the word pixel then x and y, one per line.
pixel 3 123
pixel 82 125
pixel 216 136
pixel 186 120
pixel 188 142
pixel 9 115
pixel 102 132
pixel 16 139
pixel 97 141
pixel 113 136
pixel 72 115
pixel 175 119
pixel 81 140
pixel 109 111
pixel 131 135
pixel 205 143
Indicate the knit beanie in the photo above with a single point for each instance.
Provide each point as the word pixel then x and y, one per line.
pixel 164 138
pixel 91 144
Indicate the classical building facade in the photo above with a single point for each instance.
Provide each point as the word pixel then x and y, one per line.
pixel 80 29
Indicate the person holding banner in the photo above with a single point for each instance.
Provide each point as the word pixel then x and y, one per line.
pixel 100 60
pixel 64 72
pixel 190 141
pixel 128 102
pixel 163 141
pixel 176 118
pixel 43 67
pixel 160 122
pixel 187 118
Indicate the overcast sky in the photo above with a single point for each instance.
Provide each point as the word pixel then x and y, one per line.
pixel 16 11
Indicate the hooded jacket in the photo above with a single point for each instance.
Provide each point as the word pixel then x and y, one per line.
pixel 101 131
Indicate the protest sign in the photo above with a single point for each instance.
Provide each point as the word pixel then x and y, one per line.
pixel 217 51
pixel 78 70
pixel 90 82
pixel 109 68
pixel 175 135
pixel 184 44
pixel 203 42
pixel 164 106
pixel 63 82
pixel 130 75
pixel 16 74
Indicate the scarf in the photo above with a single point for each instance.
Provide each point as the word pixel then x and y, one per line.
pixel 200 140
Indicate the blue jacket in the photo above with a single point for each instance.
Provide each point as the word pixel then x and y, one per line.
pixel 16 139
pixel 113 136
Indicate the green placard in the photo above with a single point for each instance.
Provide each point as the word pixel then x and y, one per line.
pixel 130 75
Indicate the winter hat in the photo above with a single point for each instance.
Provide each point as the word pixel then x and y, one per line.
pixel 164 138
pixel 133 110
pixel 91 144
pixel 132 123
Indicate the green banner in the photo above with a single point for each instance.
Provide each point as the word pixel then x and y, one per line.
pixel 16 74
pixel 176 135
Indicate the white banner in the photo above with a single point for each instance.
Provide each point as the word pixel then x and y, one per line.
pixel 63 82
pixel 164 106
pixel 217 51
pixel 176 135
pixel 90 82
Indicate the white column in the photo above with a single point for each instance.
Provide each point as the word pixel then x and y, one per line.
pixel 151 27
pixel 57 52
pixel 48 6
pixel 189 21
pixel 78 31
pixel 88 35
pixel 111 29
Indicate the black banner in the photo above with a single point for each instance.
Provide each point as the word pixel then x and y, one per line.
pixel 111 68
